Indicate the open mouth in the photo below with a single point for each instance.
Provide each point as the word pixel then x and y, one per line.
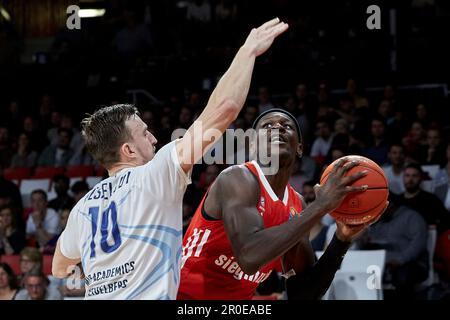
pixel 278 139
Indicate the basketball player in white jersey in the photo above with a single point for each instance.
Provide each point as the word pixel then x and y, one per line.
pixel 127 231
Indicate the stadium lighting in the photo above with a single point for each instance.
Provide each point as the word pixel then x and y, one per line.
pixel 91 13
pixel 5 14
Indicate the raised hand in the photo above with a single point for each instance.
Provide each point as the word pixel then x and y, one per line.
pixel 260 39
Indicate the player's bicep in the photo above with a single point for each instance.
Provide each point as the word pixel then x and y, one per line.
pixel 239 198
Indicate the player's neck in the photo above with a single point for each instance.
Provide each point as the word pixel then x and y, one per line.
pixel 279 181
pixel 119 166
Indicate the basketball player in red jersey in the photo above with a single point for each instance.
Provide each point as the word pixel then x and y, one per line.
pixel 249 224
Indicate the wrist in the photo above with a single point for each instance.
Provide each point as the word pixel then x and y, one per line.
pixel 342 239
pixel 248 50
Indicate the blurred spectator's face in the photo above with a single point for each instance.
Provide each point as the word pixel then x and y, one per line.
pixel 165 122
pixel 433 138
pixel 308 194
pixel 79 195
pixel 336 154
pixel 194 99
pixel 264 95
pixel 55 118
pixel 36 287
pixel 377 129
pixel 301 91
pixel 345 105
pixel 323 130
pixel 66 123
pixel 46 104
pixel 185 116
pixel 340 127
pixel 23 141
pixel 63 218
pixel 147 117
pixel 396 156
pixel 26 264
pixel 6 218
pixel 211 174
pixel 384 109
pixel 412 179
pixel 14 107
pixel 61 187
pixel 28 124
pixel 351 86
pixel 38 202
pixel 4 135
pixel 250 114
pixel 417 131
pixel 421 111
pixel 389 92
pixel 3 279
pixel 64 140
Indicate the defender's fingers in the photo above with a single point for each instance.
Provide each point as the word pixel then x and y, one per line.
pixel 270 23
pixel 279 29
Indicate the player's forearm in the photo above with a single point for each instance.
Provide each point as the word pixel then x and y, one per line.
pixel 315 281
pixel 277 240
pixel 235 83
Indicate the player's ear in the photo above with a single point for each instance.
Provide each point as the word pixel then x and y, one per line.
pixel 300 150
pixel 127 151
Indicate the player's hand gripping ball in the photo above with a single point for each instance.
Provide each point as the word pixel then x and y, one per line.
pixel 362 207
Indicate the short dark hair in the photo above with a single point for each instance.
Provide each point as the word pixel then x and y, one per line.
pixel 80 186
pixel 61 177
pixel 41 192
pixel 12 279
pixel 105 131
pixel 415 166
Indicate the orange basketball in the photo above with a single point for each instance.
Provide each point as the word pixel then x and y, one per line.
pixel 362 207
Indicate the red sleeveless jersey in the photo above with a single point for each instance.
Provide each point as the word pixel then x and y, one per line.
pixel 209 269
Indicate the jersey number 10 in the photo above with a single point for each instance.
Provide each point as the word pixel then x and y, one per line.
pixel 110 211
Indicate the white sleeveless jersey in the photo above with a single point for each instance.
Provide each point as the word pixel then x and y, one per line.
pixel 127 231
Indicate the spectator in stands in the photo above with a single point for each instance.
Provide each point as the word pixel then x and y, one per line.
pixel 76 140
pixel 422 115
pixel 38 140
pixel 55 122
pixel 37 288
pixel 43 222
pixel 9 192
pixel 6 151
pixel 441 182
pixel 185 118
pixel 56 156
pixel 12 239
pixel 8 283
pixel 377 148
pixel 50 246
pixel 414 139
pixel 63 199
pixel 79 189
pixel 394 171
pixel 402 232
pixel 426 204
pixel 322 143
pixel 385 112
pixel 265 100
pixel 433 151
pixel 199 11
pixel 13 117
pixel 25 156
pixel 353 92
pixel 304 170
pixel 30 258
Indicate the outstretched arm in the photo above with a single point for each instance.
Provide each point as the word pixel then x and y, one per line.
pixel 228 97
pixel 253 245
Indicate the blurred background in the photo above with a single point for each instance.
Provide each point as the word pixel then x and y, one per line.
pixel 379 93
